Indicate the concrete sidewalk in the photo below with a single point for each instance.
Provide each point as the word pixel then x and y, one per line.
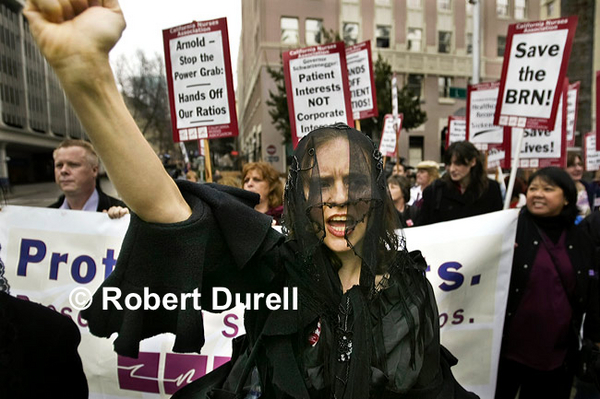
pixel 43 194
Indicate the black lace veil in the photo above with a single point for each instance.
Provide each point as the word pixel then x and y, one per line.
pixel 366 207
pixel 306 196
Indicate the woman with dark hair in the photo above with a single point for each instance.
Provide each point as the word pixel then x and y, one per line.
pixel 262 178
pixel 553 284
pixel 463 191
pixel 365 322
pixel 399 188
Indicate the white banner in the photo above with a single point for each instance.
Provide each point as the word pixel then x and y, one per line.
pixel 50 254
pixel 469 262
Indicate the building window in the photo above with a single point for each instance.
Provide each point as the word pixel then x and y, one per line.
pixel 313 31
pixel 289 30
pixel 445 5
pixel 415 84
pixel 444 42
pixel 414 4
pixel 520 9
pixel 350 33
pixel 414 39
pixel 444 84
pixel 550 8
pixel 415 149
pixel 502 8
pixel 382 2
pixel 501 46
pixel 383 36
pixel 469 43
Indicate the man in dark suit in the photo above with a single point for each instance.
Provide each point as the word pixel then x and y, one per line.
pixel 75 171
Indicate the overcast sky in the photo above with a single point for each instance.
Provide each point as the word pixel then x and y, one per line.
pixel 147 18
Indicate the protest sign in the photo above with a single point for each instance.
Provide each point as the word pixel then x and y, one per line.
pixel 543 148
pixel 591 156
pixel 200 81
pixel 389 135
pixel 316 82
pixel 457 129
pixel 361 81
pixel 469 262
pixel 534 67
pixel 50 254
pixel 572 107
pixel 481 131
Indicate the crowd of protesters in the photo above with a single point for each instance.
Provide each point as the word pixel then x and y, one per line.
pixel 335 217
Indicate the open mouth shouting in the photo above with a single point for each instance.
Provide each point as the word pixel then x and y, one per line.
pixel 340 225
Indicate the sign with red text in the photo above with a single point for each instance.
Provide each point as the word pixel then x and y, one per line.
pixel 543 148
pixel 457 129
pixel 390 135
pixel 200 81
pixel 316 82
pixel 572 107
pixel 534 67
pixel 361 81
pixel 591 156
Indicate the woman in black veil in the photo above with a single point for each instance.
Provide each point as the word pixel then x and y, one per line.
pixel 366 323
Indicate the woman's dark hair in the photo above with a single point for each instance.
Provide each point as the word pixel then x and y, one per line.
pixel 572 156
pixel 464 152
pixel 558 177
pixel 403 183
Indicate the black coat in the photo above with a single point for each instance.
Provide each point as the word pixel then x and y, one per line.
pixel 104 202
pixel 38 352
pixel 581 254
pixel 442 202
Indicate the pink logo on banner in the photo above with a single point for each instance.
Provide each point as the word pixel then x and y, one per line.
pixel 142 374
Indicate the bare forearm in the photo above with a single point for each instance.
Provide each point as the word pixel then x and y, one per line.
pixel 132 165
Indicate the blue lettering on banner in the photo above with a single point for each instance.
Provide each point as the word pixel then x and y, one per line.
pixel 447 272
pixel 25 256
pixel 34 252
pixel 76 269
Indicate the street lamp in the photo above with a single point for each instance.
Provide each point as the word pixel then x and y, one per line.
pixel 476 37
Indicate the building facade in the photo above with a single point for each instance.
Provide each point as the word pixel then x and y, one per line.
pixel 35 115
pixel 428 43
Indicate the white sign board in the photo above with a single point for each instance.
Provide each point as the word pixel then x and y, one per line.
pixel 534 68
pixel 316 81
